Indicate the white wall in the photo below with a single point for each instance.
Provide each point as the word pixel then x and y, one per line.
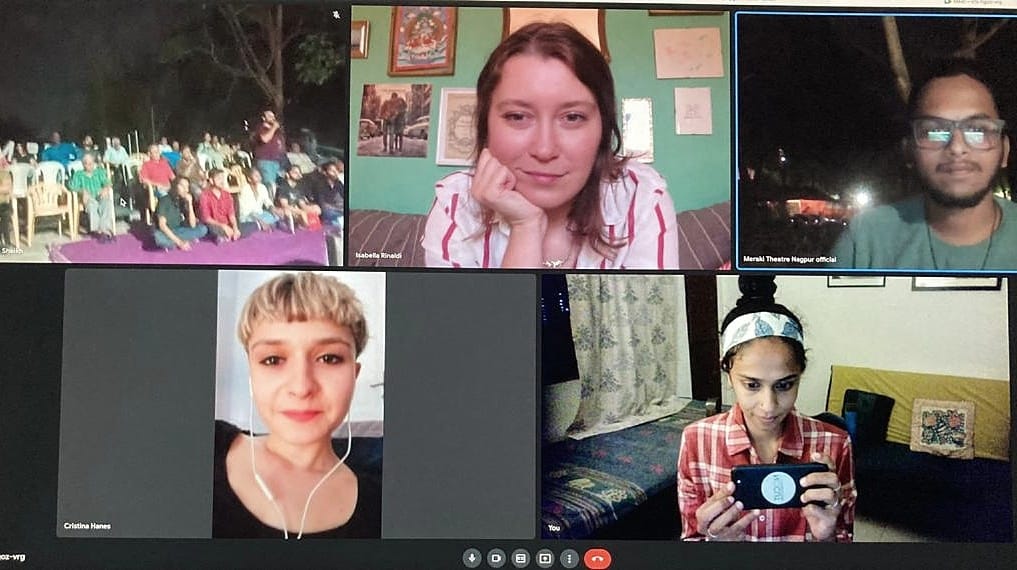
pixel 232 393
pixel 961 333
pixel 684 370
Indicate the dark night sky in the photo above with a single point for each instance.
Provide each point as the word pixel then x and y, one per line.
pixel 821 88
pixel 52 51
pixel 48 50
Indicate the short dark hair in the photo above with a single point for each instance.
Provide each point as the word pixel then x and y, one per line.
pixel 173 191
pixel 758 297
pixel 950 67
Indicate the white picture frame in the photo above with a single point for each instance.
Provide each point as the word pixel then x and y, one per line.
pixel 457 132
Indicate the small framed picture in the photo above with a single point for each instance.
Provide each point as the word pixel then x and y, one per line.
pixel 956 283
pixel 423 41
pixel 358 38
pixel 855 281
pixel 637 128
pixel 457 133
pixel 589 22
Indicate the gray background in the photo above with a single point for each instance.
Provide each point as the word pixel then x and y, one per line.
pixel 460 406
pixel 137 400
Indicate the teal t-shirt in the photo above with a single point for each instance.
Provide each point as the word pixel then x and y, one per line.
pixel 895 236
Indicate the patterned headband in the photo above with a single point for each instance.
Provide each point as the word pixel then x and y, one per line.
pixel 758 325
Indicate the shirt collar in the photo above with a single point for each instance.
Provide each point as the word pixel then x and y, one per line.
pixel 736 436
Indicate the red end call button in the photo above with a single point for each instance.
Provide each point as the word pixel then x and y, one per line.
pixel 597 559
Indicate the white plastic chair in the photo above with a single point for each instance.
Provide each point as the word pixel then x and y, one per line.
pixel 22 175
pixel 51 171
pixel 131 168
pixel 22 178
pixel 8 151
pixel 32 148
pixel 245 158
pixel 73 167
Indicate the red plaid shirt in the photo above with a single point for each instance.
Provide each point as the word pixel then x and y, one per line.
pixel 711 447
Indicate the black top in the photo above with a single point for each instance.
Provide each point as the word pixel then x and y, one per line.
pixel 170 207
pixel 293 194
pixel 327 194
pixel 231 519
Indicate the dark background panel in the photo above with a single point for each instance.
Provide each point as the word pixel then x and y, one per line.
pixel 460 406
pixel 136 403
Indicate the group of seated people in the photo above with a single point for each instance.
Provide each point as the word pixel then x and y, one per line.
pixel 66 153
pixel 186 194
pixel 187 208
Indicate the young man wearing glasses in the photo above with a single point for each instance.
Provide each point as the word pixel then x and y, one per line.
pixel 957 148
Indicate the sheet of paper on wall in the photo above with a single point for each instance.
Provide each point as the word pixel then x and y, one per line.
pixel 693 114
pixel 688 52
pixel 637 129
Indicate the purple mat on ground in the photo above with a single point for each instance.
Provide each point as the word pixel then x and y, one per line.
pixel 306 247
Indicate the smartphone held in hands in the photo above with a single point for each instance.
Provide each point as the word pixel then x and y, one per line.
pixel 772 486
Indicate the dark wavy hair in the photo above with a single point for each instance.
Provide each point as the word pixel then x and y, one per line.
pixel 566 44
pixel 758 297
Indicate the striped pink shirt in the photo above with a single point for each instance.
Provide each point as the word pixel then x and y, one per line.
pixel 711 447
pixel 636 207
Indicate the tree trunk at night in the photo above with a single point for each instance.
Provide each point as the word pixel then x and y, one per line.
pixel 971 40
pixel 260 51
pixel 902 79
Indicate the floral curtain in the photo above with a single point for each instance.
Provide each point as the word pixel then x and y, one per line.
pixel 625 330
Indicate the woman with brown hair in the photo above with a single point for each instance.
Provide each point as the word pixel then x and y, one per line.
pixel 548 187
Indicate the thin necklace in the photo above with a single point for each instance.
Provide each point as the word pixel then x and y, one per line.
pixel 997 220
pixel 559 263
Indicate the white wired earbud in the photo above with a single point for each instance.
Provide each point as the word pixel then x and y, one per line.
pixel 264 486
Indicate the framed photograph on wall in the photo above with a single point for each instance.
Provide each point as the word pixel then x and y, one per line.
pixel 358 38
pixel 589 21
pixel 956 283
pixel 855 281
pixel 395 120
pixel 456 130
pixel 423 41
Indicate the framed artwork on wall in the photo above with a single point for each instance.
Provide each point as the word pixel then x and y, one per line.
pixel 589 21
pixel 956 283
pixel 680 53
pixel 358 38
pixel 457 133
pixel 395 120
pixel 856 281
pixel 637 128
pixel 423 41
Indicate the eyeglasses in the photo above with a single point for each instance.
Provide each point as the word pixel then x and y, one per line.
pixel 934 133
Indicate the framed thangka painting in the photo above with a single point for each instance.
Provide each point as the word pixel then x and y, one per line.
pixel 423 41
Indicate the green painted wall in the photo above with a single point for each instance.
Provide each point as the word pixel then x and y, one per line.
pixel 696 167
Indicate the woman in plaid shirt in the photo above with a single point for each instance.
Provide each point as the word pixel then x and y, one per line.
pixel 764 358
